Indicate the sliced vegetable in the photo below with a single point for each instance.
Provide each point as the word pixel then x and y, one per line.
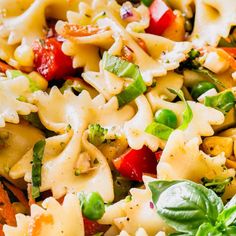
pixel 97 134
pixel 201 88
pixel 38 152
pixel 166 117
pixel 187 114
pixel 161 17
pixel 223 102
pixel 92 205
pixel 123 68
pixel 50 61
pixel 134 163
pixel 12 74
pixel 159 130
pixel 217 185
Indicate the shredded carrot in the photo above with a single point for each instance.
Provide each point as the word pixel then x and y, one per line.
pixel 80 31
pixel 18 194
pixel 6 210
pixel 31 199
pixel 142 44
pixel 4 67
pixel 35 228
pixel 127 54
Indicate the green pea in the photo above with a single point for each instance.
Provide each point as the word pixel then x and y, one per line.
pixel 166 117
pixel 201 88
pixel 92 205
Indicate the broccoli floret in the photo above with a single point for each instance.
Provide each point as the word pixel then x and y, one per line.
pixel 97 134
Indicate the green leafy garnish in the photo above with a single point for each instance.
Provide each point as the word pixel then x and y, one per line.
pixel 187 114
pixel 97 134
pixel 38 152
pixel 209 75
pixel 159 130
pixel 12 74
pixel 192 209
pixel 223 102
pixel 217 185
pixel 123 68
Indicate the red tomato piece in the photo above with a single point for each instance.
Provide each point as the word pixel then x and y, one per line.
pixel 134 163
pixel 92 227
pixel 230 51
pixel 161 17
pixel 50 61
pixel 158 155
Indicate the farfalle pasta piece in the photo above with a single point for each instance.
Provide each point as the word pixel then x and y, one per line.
pixel 137 213
pixel 182 159
pixel 16 140
pixel 50 219
pixel 61 112
pixel 213 20
pixel 11 90
pixel 203 117
pixel 140 232
pixel 134 129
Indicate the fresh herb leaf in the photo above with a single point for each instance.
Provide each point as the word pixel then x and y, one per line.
pixel 191 62
pixel 231 203
pixel 38 152
pixel 97 134
pixel 123 68
pixel 187 114
pixel 207 229
pixel 223 102
pixel 228 216
pixel 185 205
pixel 217 185
pixel 209 75
pixel 159 130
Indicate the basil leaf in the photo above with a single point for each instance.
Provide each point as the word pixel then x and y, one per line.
pixel 217 185
pixel 123 68
pixel 159 130
pixel 231 203
pixel 187 114
pixel 230 231
pixel 38 152
pixel 227 216
pixel 185 205
pixel 12 74
pixel 223 102
pixel 209 75
pixel 206 229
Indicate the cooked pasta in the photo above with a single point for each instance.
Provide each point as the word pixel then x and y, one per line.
pixel 117 117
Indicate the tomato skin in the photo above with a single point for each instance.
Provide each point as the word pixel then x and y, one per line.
pixel 92 227
pixel 230 51
pixel 161 17
pixel 50 61
pixel 134 163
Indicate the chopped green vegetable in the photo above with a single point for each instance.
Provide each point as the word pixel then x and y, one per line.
pixel 166 117
pixel 33 118
pixel 70 84
pixel 92 205
pixel 230 42
pixel 123 68
pixel 223 101
pixel 191 62
pixel 193 54
pixel 38 152
pixel 12 74
pixel 147 2
pixel 97 134
pixel 159 130
pixel 209 75
pixel 217 185
pixel 187 114
pixel 201 88
pixel 192 209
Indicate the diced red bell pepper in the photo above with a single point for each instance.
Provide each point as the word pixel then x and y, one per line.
pixel 161 17
pixel 134 163
pixel 230 51
pixel 50 61
pixel 92 227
